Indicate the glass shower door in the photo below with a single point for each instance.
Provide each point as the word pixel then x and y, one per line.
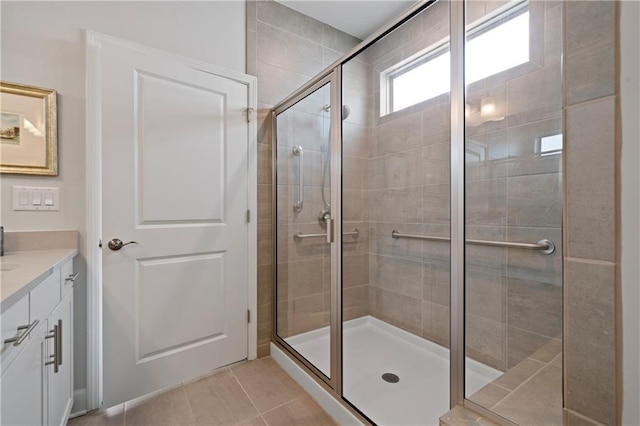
pixel 396 223
pixel 302 152
pixel 513 223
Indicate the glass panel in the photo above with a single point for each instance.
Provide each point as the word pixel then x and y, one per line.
pixel 303 255
pixel 395 291
pixel 513 295
pixel 499 48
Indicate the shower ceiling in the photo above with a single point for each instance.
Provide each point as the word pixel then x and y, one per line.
pixel 358 18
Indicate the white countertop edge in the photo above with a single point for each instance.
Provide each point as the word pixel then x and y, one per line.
pixel 65 255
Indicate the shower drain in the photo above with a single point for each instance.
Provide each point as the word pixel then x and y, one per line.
pixel 390 378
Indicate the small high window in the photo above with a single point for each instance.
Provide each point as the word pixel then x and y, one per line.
pixel 550 145
pixel 494 45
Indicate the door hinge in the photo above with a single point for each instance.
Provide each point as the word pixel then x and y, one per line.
pixel 248 315
pixel 248 216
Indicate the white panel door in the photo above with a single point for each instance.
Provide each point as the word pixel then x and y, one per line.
pixel 174 167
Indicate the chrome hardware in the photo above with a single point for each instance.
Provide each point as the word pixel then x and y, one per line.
pixel 249 111
pixel 300 236
pixel 116 244
pixel 19 339
pixel 545 246
pixel 56 335
pixel 297 205
pixel 59 347
pixel 323 217
pixel 73 277
pixel 331 223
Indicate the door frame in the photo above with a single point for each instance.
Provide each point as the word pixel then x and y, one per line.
pixel 93 162
pixel 332 78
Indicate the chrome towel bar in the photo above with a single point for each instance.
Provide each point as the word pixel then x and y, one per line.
pixel 300 236
pixel 544 246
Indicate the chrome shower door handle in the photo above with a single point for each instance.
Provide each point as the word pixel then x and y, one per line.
pixel 331 223
pixel 298 152
pixel 116 244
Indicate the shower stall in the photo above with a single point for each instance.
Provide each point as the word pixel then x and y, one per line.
pixel 418 217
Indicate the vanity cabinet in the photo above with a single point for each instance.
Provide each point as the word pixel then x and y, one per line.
pixel 23 391
pixel 37 379
pixel 60 382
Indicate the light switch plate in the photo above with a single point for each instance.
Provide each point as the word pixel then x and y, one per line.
pixel 36 198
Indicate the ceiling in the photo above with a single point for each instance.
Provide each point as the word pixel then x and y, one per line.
pixel 360 18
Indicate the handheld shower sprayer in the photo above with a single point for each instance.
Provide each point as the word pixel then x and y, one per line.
pixel 325 214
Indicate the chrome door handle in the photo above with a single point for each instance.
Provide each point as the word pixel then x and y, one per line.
pixel 116 244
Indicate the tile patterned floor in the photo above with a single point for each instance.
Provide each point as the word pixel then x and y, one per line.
pixel 252 393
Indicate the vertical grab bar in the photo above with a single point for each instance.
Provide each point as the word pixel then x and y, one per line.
pixel 297 205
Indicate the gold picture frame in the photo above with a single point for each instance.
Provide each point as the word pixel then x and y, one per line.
pixel 28 130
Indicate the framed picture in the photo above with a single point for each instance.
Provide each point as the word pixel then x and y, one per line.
pixel 28 130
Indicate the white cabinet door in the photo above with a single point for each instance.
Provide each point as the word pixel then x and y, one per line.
pixel 23 390
pixel 60 383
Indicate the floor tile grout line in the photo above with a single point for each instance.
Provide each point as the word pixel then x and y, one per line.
pixel 193 414
pixel 283 404
pixel 215 394
pixel 245 392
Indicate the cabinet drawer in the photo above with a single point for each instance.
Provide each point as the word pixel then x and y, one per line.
pixel 16 316
pixel 45 297
pixel 66 277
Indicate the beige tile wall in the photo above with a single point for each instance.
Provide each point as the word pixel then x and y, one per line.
pixel 514 298
pixel 285 49
pixel 591 234
pixel 514 195
pixel 409 191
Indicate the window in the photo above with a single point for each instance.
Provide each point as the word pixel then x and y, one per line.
pixel 550 145
pixel 496 45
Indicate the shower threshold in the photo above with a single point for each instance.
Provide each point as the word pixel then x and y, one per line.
pixel 373 348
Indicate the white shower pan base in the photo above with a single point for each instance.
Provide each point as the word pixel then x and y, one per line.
pixel 372 347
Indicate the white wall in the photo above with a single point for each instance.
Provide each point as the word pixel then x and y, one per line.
pixel 630 103
pixel 43 44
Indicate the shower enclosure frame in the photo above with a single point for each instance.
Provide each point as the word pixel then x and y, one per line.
pixel 333 78
pixel 333 75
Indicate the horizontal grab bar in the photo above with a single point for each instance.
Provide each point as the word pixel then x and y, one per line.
pixel 300 236
pixel 545 246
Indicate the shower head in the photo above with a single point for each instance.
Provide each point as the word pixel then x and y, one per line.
pixel 346 110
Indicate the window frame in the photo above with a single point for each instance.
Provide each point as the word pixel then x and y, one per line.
pixel 477 28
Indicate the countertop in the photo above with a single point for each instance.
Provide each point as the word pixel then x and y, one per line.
pixel 34 267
